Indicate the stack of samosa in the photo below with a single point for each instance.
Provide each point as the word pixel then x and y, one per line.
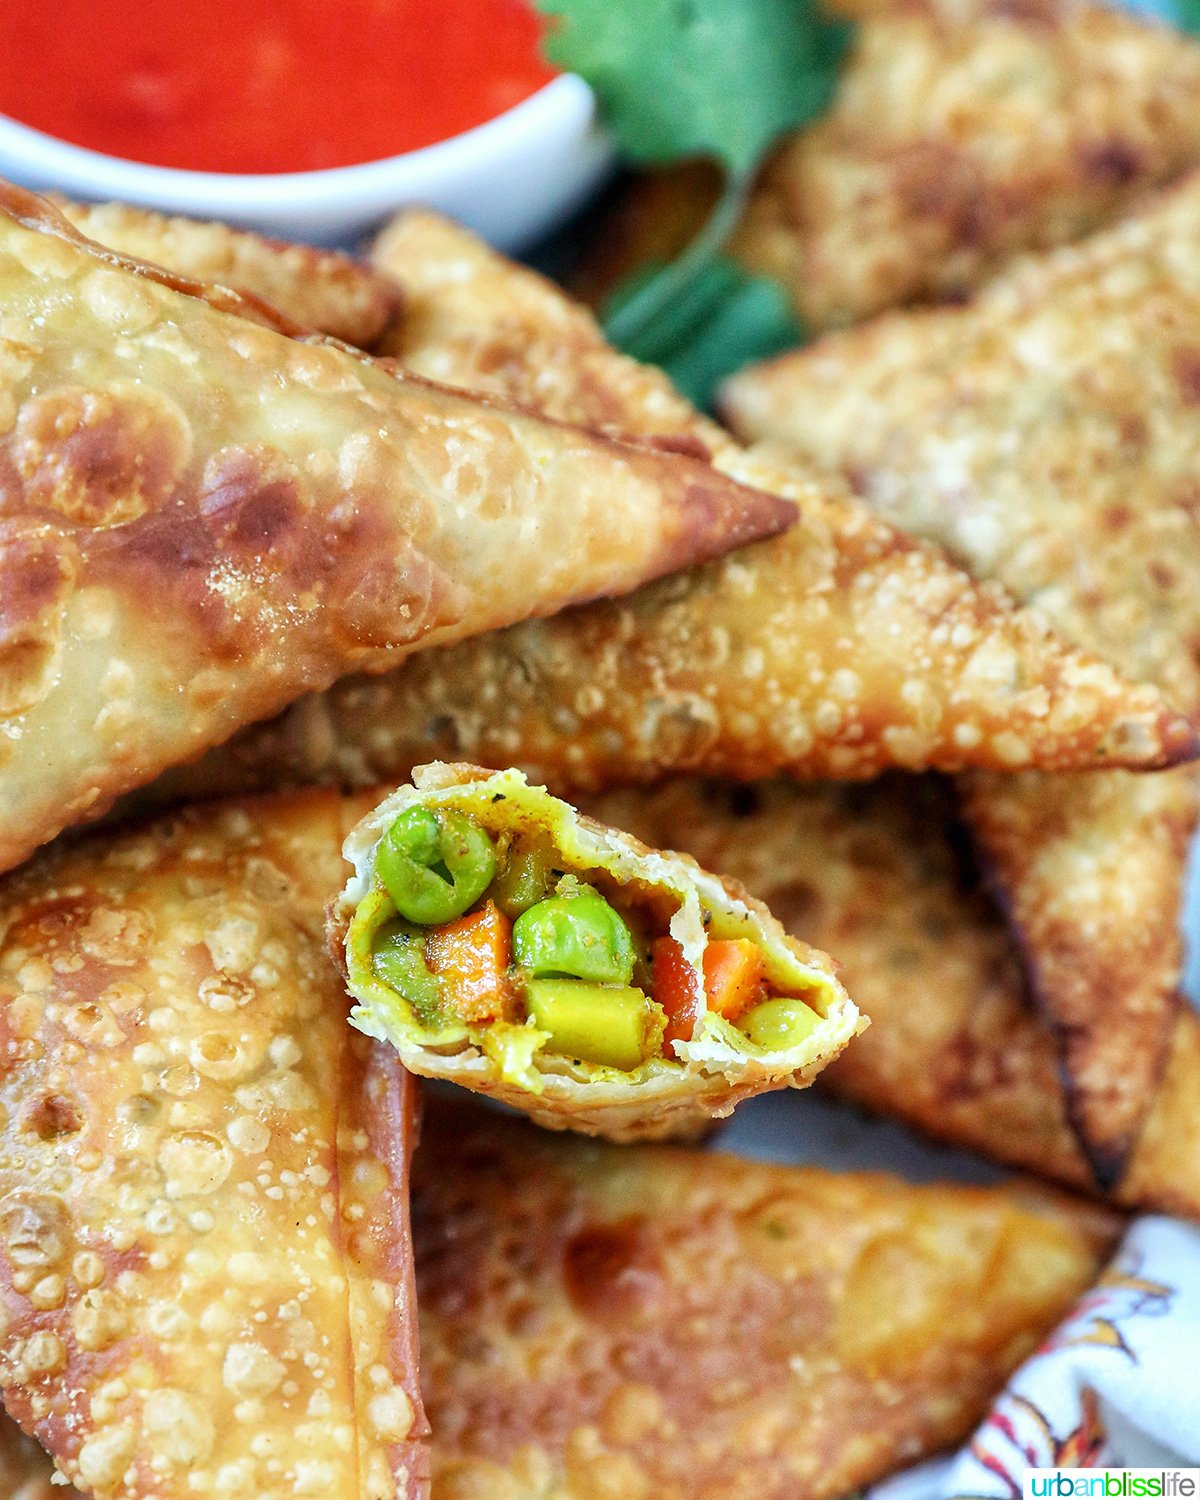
pixel 759 664
pixel 841 648
pixel 212 507
pixel 205 1252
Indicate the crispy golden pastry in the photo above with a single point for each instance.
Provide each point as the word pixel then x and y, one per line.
pixel 883 876
pixel 498 940
pixel 840 649
pixel 205 1261
pixel 1092 878
pixel 26 1471
pixel 645 1322
pixel 1048 433
pixel 1049 436
pixel 960 135
pixel 319 289
pixel 202 518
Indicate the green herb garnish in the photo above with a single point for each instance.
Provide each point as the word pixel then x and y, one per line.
pixel 686 78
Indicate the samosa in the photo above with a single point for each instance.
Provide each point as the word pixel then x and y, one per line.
pixel 884 875
pixel 203 517
pixel 832 1328
pixel 497 939
pixel 645 1321
pixel 961 134
pixel 205 1260
pixel 319 289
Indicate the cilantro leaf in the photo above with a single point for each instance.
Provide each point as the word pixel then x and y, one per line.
pixel 719 78
pixel 721 320
pixel 1185 14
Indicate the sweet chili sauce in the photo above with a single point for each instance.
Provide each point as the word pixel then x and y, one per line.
pixel 264 85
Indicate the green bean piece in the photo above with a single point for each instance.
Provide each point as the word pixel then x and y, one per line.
pixel 779 1024
pixel 575 932
pixel 524 879
pixel 435 865
pixel 592 1022
pixel 398 958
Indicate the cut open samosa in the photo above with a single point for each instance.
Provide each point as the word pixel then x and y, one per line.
pixel 319 289
pixel 961 133
pixel 839 649
pixel 883 875
pixel 644 1321
pixel 201 518
pixel 499 940
pixel 1049 435
pixel 205 1261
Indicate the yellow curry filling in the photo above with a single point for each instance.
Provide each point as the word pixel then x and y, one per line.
pixel 479 931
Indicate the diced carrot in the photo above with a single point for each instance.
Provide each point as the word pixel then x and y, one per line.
pixel 471 956
pixel 677 989
pixel 734 976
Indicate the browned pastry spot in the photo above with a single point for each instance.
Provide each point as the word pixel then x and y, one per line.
pixel 37 570
pixel 100 457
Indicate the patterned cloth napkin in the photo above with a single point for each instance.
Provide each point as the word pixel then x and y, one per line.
pixel 1118 1384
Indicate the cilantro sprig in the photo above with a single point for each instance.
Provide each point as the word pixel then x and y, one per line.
pixel 1185 14
pixel 719 78
pixel 685 78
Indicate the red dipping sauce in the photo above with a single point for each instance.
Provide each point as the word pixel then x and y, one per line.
pixel 264 85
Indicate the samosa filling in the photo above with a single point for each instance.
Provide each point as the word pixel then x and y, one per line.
pixel 494 930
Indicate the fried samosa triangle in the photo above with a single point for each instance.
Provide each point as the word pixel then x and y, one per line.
pixel 201 518
pixel 840 649
pixel 644 1321
pixel 1049 435
pixel 963 134
pixel 205 1259
pixel 497 939
pixel 856 1321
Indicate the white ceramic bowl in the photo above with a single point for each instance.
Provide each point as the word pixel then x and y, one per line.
pixel 512 179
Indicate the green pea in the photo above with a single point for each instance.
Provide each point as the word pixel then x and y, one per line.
pixel 435 865
pixel 524 880
pixel 778 1024
pixel 575 932
pixel 398 958
pixel 592 1022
